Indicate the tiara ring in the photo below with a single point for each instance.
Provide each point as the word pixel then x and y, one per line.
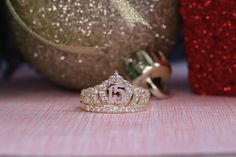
pixel 115 95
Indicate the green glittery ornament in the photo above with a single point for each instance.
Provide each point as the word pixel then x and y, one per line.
pixel 80 43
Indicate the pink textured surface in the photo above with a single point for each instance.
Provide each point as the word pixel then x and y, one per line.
pixel 40 119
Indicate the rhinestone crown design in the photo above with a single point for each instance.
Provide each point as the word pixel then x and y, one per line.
pixel 115 95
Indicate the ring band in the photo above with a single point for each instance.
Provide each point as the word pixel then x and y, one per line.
pixel 115 95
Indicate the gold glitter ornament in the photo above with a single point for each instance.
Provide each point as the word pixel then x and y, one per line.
pixel 79 43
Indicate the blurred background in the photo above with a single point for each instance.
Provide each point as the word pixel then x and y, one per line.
pixel 65 42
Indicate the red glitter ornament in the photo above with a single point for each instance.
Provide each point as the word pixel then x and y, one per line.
pixel 210 35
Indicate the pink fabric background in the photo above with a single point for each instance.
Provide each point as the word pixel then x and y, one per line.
pixel 38 118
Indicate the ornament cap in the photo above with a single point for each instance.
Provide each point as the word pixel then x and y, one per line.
pixel 150 70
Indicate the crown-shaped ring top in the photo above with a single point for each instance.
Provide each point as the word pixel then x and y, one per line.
pixel 115 95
